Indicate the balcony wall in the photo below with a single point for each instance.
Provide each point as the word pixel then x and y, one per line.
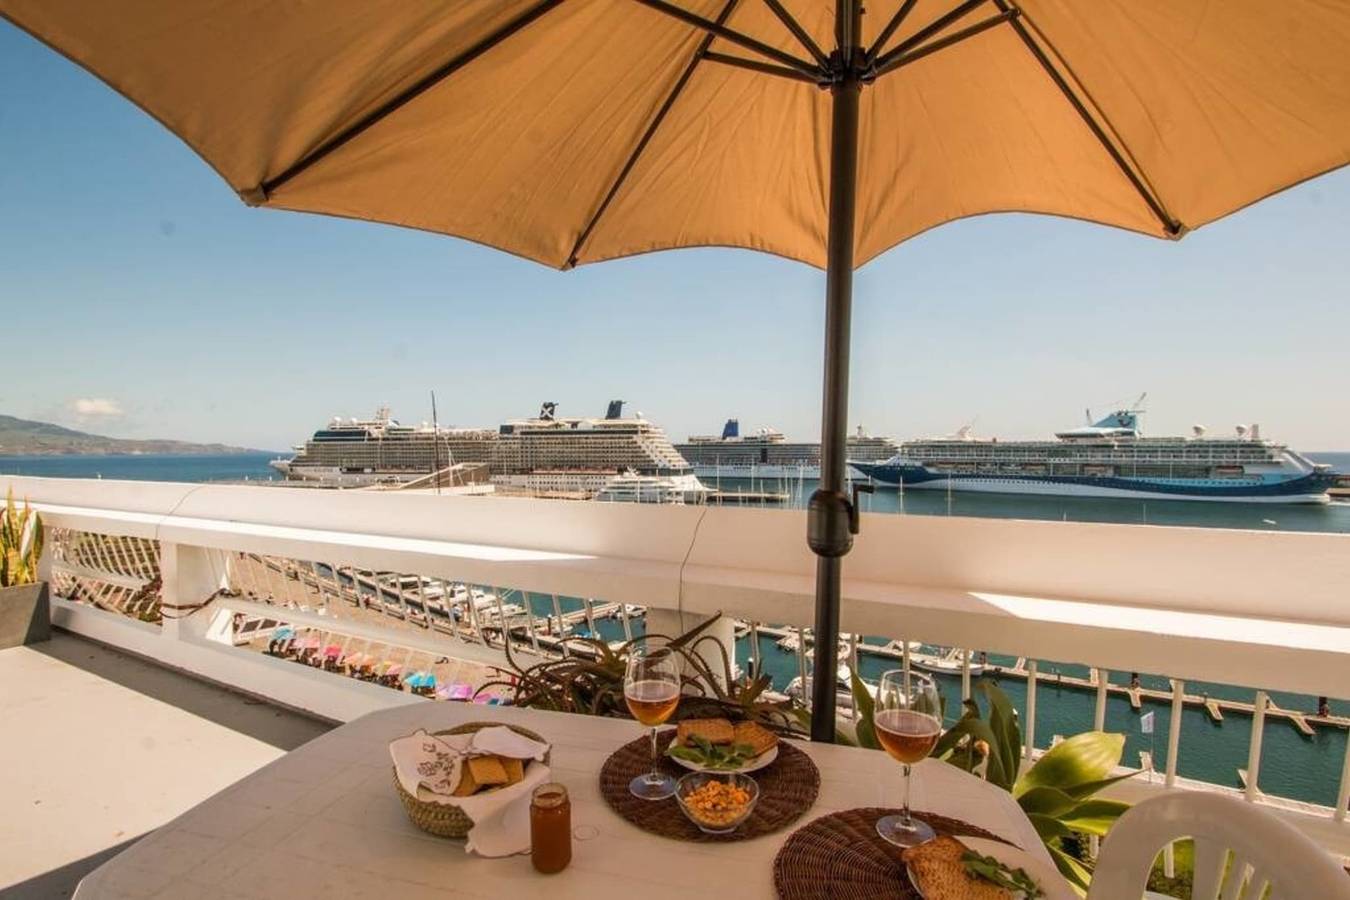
pixel 1258 609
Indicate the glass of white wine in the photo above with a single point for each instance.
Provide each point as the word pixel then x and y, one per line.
pixel 908 722
pixel 651 686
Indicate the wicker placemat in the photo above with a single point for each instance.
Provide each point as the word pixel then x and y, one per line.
pixel 787 788
pixel 841 856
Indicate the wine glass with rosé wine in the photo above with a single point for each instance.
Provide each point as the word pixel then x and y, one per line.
pixel 908 722
pixel 651 686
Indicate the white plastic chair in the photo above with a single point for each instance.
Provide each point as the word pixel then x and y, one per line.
pixel 1265 851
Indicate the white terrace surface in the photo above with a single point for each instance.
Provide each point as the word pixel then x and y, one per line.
pixel 100 748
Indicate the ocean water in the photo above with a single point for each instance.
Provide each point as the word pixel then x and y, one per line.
pixel 146 467
pixel 1293 766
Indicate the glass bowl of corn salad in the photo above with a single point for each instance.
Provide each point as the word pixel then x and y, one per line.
pixel 717 802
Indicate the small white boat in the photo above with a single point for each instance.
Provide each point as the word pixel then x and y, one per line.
pixel 843 684
pixel 948 663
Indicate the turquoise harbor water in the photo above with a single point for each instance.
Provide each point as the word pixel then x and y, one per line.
pixel 1292 765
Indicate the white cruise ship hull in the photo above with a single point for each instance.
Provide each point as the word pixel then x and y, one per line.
pixel 978 485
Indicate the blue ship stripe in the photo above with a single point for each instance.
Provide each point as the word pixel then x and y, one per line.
pixel 1312 483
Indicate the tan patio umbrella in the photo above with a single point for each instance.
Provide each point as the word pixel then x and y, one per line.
pixel 573 131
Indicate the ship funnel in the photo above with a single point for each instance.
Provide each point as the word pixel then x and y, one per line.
pixel 731 429
pixel 1256 432
pixel 1198 431
pixel 615 410
pixel 547 410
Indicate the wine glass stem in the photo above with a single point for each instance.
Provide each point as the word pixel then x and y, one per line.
pixel 656 774
pixel 905 816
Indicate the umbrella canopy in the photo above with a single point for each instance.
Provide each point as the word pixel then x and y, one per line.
pixel 572 131
pixel 582 130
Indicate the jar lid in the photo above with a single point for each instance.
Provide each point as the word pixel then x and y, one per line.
pixel 548 796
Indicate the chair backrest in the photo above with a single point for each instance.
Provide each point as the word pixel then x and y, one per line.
pixel 1239 850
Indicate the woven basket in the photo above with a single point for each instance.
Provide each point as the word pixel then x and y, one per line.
pixel 442 819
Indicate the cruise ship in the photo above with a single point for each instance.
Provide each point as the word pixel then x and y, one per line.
pixel 362 452
pixel 1111 457
pixel 766 453
pixel 544 454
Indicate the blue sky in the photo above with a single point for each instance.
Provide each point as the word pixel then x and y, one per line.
pixel 142 299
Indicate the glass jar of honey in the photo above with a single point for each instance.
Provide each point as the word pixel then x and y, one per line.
pixel 550 828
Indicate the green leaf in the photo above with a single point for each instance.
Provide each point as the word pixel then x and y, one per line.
pixel 1046 801
pixel 1093 816
pixel 1050 829
pixel 1079 760
pixel 1077 874
pixel 694 632
pixel 1083 791
pixel 1003 723
pixel 865 726
pixel 949 739
pixel 978 730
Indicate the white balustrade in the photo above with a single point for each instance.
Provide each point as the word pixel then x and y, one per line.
pixel 1190 602
pixel 1254 748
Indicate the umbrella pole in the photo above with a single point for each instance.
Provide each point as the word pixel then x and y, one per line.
pixel 831 514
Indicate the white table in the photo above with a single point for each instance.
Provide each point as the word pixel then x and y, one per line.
pixel 324 822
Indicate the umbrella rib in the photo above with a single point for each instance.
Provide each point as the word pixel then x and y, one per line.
pixel 647 135
pixel 880 44
pixel 799 32
pixel 755 65
pixel 1170 225
pixel 719 30
pixel 889 63
pixel 260 193
pixel 923 34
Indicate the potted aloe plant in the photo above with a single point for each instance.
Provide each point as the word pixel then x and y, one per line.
pixel 25 615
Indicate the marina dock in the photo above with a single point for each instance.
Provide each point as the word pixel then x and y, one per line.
pixel 1306 723
pixel 746 498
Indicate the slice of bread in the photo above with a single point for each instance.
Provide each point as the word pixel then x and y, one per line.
pixel 941 847
pixel 936 869
pixel 714 731
pixel 467 785
pixel 755 735
pixel 487 770
pixel 515 769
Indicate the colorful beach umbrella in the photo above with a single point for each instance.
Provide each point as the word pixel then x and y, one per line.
pixel 573 131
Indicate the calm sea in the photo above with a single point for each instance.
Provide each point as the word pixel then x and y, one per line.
pixel 146 467
pixel 1295 766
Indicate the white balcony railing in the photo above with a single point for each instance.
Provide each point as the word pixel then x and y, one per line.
pixel 1255 609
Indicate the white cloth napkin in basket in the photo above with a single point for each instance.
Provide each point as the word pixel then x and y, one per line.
pixel 428 767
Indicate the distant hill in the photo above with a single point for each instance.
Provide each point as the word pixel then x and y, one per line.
pixel 21 437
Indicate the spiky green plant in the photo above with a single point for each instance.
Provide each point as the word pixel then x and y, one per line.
pixel 20 543
pixel 590 681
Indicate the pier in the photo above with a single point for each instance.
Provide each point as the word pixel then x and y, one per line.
pixel 717 497
pixel 1306 723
